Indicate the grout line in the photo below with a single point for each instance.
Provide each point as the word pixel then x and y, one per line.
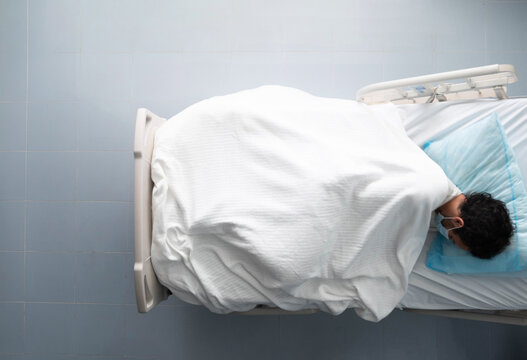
pixel 383 71
pixel 75 260
pixel 68 252
pixel 490 342
pixel 69 201
pixel 65 151
pixel 436 326
pixel 25 179
pixel 485 27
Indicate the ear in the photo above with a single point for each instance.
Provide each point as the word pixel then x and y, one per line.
pixel 458 221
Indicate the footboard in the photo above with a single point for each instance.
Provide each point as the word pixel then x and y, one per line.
pixel 148 291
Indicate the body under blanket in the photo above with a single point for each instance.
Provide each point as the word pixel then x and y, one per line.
pixel 275 196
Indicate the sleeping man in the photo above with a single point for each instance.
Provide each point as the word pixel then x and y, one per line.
pixel 273 196
pixel 477 223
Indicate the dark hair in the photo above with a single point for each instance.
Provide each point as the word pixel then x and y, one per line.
pixel 487 225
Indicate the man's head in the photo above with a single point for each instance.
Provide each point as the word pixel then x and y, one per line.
pixel 484 227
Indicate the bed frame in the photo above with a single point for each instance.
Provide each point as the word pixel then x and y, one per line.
pixel 485 81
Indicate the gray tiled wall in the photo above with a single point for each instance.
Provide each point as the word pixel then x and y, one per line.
pixel 72 74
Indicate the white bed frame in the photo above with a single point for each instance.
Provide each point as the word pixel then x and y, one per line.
pixel 479 82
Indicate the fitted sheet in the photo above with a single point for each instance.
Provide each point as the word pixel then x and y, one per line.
pixel 430 289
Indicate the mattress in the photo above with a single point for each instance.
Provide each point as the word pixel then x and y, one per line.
pixel 430 289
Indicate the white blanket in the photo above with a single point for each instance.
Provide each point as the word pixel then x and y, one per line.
pixel 275 196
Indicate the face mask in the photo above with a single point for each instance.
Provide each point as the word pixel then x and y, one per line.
pixel 442 230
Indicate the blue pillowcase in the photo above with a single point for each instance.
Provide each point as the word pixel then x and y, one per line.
pixel 478 158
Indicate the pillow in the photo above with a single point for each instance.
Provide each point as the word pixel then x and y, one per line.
pixel 478 158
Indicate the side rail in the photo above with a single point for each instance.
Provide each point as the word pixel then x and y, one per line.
pixel 148 291
pixel 511 317
pixel 472 83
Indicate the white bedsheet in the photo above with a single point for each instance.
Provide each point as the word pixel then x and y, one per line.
pixel 429 289
pixel 275 196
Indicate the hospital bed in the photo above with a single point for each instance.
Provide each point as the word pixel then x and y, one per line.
pixel 430 106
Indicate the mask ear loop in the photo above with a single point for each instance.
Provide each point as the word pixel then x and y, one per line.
pixel 451 217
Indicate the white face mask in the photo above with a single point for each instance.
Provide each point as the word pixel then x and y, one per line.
pixel 442 230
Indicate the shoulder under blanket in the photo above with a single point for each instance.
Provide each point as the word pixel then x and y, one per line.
pixel 275 196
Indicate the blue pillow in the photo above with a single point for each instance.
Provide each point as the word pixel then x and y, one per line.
pixel 478 158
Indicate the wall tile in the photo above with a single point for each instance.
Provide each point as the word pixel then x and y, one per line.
pixel 356 27
pixel 306 32
pixel 99 329
pixel 409 336
pixel 161 27
pixel 197 326
pixel 12 225
pixel 50 277
pixel 105 77
pixel 14 76
pixel 102 278
pixel 153 333
pixel 506 26
pixel 13 25
pixel 459 26
pixel 51 226
pixel 54 76
pixel 13 54
pixel 207 26
pixel 105 175
pixel 449 61
pixel 397 25
pixel 52 126
pixel 129 281
pixel 13 357
pixel 105 226
pixel 260 336
pixel 49 328
pixel 107 26
pixel 106 125
pixel 49 357
pixel 325 336
pixel 228 336
pixel 249 70
pixel 256 26
pixel 54 26
pixel 507 342
pixel 51 175
pixel 11 277
pixel 12 336
pixel 12 175
pixel 408 64
pixel 355 70
pixel 185 77
pixel 311 72
pixel 462 339
pixel 12 126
